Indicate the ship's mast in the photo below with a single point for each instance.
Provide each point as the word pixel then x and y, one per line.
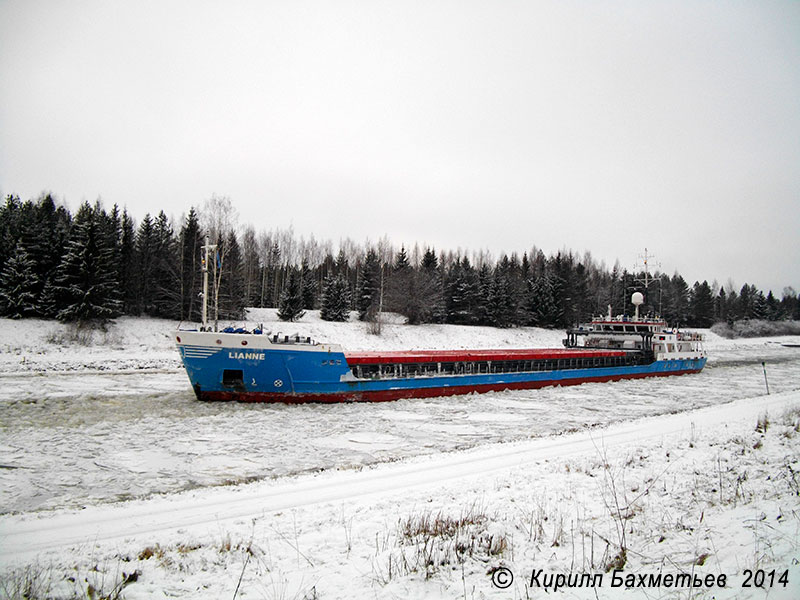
pixel 206 248
pixel 646 280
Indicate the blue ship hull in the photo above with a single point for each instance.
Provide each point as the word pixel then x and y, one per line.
pixel 226 370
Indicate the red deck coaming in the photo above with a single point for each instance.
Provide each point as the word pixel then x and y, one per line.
pixel 434 356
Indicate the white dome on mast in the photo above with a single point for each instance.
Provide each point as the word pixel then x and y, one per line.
pixel 637 299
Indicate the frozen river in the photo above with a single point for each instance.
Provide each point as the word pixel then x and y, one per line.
pixel 70 439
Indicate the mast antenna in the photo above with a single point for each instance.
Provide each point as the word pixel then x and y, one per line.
pixel 647 260
pixel 206 248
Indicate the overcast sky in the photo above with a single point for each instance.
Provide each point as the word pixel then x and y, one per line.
pixel 600 126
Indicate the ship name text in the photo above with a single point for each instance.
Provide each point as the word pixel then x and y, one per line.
pixel 246 355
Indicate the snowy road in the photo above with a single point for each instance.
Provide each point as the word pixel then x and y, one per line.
pixel 139 522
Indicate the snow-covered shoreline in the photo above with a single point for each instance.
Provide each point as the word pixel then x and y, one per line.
pixel 132 343
pixel 514 481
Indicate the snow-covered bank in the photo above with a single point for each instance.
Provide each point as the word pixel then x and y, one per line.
pixel 700 492
pixel 129 343
pixel 135 344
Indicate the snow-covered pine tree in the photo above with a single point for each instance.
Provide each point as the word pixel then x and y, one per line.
pixel 368 286
pixel 291 302
pixel 166 281
pixel 701 305
pixel 336 299
pixel 251 267
pixel 109 227
pixel 231 296
pixel 18 284
pixel 503 301
pixel 128 283
pixel 486 299
pixel 145 251
pixel 721 306
pixel 399 289
pixel 191 240
pixel 773 307
pixel 760 310
pixel 274 276
pixel 547 313
pixel 342 265
pixel 580 300
pixel 43 234
pixel 9 217
pixel 85 283
pixel 309 285
pixel 430 289
pixel 461 299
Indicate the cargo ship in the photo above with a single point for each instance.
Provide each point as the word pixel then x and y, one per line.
pixel 252 365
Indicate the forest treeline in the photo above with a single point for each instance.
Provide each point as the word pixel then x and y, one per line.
pixel 98 264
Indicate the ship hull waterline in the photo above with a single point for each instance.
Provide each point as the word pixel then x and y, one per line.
pixel 558 378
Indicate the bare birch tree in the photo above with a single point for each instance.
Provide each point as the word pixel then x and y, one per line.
pixel 219 218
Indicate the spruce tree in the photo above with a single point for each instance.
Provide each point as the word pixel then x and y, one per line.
pixel 309 285
pixel 790 305
pixel 745 303
pixel 251 267
pixel 128 282
pixel 191 242
pixel 528 303
pixel 273 279
pixel 486 298
pixel 580 299
pixel 773 307
pixel 166 281
pixel 702 305
pixel 546 311
pixel 760 307
pixel 732 307
pixel 85 284
pixel 721 307
pixel 342 265
pixel 231 290
pixel 110 232
pixel 291 301
pixel 400 295
pixel 18 285
pixel 144 258
pixel 9 230
pixel 503 301
pixel 368 286
pixel 462 293
pixel 430 289
pixel 429 260
pixel 335 299
pixel 679 313
pixel 44 240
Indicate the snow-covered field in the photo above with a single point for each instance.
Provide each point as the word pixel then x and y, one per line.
pixel 415 498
